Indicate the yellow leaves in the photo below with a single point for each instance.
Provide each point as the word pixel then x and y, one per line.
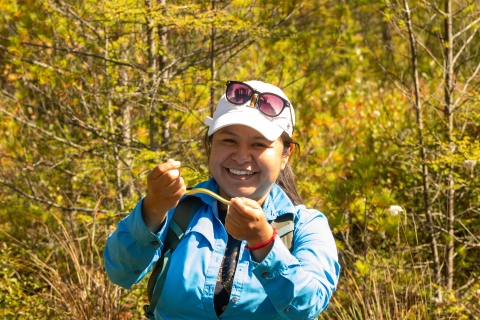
pixel 84 219
pixel 59 199
pixel 13 77
pixel 470 149
pixel 358 207
pixel 387 15
pixel 457 152
pixel 362 267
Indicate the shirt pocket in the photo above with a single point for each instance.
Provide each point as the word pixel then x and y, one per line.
pixel 187 272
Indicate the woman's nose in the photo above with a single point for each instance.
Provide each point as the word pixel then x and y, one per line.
pixel 241 155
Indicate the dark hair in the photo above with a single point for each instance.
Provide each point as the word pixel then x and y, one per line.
pixel 286 179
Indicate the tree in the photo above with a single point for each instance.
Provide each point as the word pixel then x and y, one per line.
pixel 440 45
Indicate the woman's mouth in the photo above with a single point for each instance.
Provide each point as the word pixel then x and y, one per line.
pixel 241 172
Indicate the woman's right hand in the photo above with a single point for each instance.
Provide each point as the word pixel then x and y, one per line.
pixel 165 188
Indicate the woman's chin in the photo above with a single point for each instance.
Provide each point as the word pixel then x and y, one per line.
pixel 241 193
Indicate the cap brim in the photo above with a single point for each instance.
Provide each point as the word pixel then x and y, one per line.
pixel 248 117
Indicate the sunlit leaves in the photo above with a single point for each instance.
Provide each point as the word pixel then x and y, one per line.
pixel 75 128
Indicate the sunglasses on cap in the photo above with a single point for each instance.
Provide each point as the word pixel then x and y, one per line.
pixel 269 104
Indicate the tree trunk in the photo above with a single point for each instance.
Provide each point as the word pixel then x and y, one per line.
pixel 449 109
pixel 128 187
pixel 111 122
pixel 152 76
pixel 212 66
pixel 423 152
pixel 165 79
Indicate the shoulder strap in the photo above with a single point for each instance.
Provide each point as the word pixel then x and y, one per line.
pixel 285 227
pixel 185 211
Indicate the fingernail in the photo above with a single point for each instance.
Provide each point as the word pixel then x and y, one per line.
pixel 177 163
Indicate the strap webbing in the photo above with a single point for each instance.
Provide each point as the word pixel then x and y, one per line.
pixel 286 229
pixel 157 291
pixel 185 211
pixel 175 228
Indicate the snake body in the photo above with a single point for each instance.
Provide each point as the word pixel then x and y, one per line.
pixel 210 193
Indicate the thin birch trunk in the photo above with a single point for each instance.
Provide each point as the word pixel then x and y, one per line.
pixel 164 80
pixel 152 75
pixel 423 152
pixel 213 71
pixel 128 185
pixel 449 109
pixel 118 173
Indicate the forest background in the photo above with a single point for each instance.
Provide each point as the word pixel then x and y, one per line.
pixel 94 93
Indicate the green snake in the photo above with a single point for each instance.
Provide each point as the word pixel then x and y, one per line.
pixel 210 193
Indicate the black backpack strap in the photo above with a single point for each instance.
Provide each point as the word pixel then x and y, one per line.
pixel 185 211
pixel 285 227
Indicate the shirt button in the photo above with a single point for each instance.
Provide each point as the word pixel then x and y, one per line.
pixel 154 243
pixel 234 299
pixel 136 271
pixel 264 275
pixel 287 310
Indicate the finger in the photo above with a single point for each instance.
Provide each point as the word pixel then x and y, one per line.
pixel 169 196
pixel 235 217
pixel 249 202
pixel 160 169
pixel 165 179
pixel 232 227
pixel 244 209
pixel 178 185
pixel 231 222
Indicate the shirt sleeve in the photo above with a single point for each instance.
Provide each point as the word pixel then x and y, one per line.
pixel 301 283
pixel 132 249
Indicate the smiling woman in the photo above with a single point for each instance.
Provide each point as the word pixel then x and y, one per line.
pixel 244 163
pixel 234 265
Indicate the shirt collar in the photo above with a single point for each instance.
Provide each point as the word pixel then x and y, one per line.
pixel 277 203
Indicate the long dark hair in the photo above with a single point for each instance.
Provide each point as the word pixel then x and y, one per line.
pixel 286 179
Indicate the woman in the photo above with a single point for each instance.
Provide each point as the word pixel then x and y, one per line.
pixel 231 265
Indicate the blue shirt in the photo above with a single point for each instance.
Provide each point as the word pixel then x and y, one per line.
pixel 284 285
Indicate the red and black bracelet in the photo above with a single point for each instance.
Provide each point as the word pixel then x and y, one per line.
pixel 275 232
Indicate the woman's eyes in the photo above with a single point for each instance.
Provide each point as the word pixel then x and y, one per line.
pixel 255 144
pixel 258 144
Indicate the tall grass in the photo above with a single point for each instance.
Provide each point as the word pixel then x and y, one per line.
pixel 381 295
pixel 396 285
pixel 63 277
pixel 60 275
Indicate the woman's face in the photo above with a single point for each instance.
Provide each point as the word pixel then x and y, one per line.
pixel 244 163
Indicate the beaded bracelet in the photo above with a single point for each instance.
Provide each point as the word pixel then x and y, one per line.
pixel 275 232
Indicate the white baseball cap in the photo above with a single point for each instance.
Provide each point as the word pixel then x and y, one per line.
pixel 271 128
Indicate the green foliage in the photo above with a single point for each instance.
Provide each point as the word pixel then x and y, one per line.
pixel 89 104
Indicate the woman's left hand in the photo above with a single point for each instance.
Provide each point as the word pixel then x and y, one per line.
pixel 246 221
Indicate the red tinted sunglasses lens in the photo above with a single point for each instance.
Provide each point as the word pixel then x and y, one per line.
pixel 238 93
pixel 270 104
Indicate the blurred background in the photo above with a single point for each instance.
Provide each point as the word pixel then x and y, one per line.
pixel 94 94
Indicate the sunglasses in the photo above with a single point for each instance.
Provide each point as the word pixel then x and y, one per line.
pixel 269 104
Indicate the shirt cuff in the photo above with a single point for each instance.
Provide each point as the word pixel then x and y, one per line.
pixel 278 259
pixel 139 230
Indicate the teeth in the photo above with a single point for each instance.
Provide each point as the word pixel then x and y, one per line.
pixel 240 172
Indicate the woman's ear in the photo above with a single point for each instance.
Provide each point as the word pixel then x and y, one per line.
pixel 286 156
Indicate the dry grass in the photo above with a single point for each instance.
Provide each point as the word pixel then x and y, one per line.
pixel 68 276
